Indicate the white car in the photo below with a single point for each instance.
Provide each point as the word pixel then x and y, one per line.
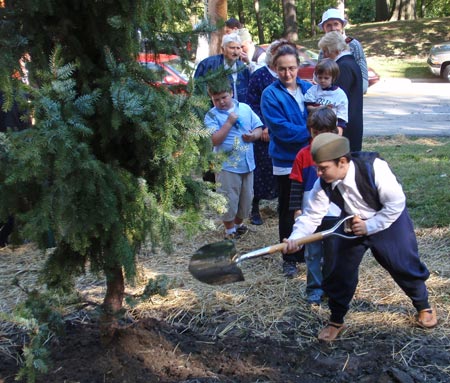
pixel 439 60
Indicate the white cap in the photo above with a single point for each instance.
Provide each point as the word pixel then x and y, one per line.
pixel 332 13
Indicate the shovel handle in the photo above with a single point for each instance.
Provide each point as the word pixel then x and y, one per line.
pixel 301 241
pixel 278 247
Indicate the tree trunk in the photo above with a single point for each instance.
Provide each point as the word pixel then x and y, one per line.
pixel 290 20
pixel 381 10
pixel 241 14
pixel 421 9
pixel 259 22
pixel 217 10
pixel 403 10
pixel 115 289
pixel 113 302
pixel 313 18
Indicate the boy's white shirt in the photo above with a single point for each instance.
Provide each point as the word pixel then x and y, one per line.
pixel 390 192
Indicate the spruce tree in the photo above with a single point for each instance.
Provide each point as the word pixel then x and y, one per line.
pixel 109 158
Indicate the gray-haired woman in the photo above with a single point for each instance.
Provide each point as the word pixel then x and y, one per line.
pixel 334 46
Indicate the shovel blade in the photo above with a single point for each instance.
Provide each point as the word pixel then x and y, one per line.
pixel 213 264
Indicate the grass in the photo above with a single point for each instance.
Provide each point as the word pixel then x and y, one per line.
pixel 422 165
pixel 397 48
pixel 412 68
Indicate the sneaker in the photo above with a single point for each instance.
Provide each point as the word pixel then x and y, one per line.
pixel 241 230
pixel 289 269
pixel 231 237
pixel 255 219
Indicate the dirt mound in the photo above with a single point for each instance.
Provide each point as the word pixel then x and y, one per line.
pixel 152 351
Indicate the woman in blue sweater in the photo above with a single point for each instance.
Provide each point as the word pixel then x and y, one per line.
pixel 284 112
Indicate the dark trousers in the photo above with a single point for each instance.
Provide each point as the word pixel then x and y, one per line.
pixel 394 248
pixel 286 217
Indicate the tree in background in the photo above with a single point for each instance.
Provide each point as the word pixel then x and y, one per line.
pixel 290 20
pixel 217 15
pixel 403 10
pixel 434 8
pixel 259 23
pixel 360 11
pixel 381 10
pixel 110 161
pixel 264 18
pixel 313 18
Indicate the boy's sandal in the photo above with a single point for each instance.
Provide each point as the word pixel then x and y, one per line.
pixel 427 318
pixel 331 331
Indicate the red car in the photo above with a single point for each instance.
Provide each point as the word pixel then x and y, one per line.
pixel 169 70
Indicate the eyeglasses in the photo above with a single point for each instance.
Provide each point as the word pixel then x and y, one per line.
pixel 290 69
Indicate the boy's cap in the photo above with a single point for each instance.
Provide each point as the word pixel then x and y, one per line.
pixel 329 146
pixel 332 13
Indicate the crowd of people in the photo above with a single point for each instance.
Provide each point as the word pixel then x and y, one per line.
pixel 301 141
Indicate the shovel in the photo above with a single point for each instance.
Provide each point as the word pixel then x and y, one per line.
pixel 217 263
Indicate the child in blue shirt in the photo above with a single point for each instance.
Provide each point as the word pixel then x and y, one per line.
pixel 234 127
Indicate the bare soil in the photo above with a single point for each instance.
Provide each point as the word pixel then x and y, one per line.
pixel 153 351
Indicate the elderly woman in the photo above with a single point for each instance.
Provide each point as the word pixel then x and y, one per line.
pixel 334 46
pixel 284 112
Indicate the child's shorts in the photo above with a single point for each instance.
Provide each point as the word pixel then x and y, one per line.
pixel 238 190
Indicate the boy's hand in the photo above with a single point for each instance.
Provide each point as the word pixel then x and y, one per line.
pixel 249 137
pixel 359 226
pixel 252 136
pixel 232 118
pixel 291 247
pixel 265 135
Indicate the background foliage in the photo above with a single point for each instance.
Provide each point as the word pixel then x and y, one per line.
pixel 357 11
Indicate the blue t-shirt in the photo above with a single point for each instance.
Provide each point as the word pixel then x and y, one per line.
pixel 240 154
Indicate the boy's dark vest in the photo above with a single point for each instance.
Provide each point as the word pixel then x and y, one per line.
pixel 364 178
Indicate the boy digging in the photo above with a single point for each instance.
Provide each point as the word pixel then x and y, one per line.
pixel 362 185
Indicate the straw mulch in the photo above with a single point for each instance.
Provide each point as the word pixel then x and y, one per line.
pixel 265 304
